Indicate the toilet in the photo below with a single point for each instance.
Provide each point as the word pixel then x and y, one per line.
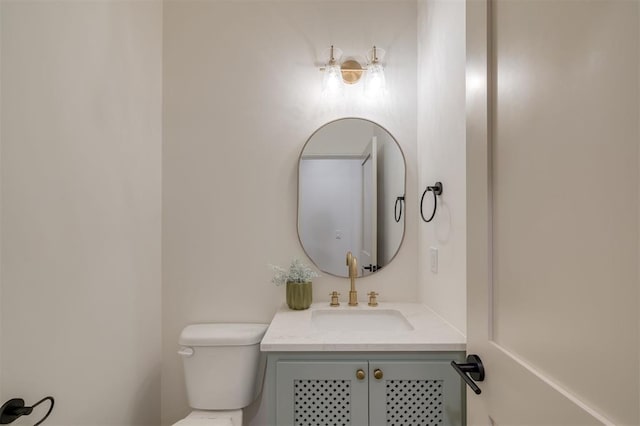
pixel 223 371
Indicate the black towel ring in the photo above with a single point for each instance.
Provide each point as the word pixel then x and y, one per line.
pixel 398 215
pixel 15 408
pixel 437 190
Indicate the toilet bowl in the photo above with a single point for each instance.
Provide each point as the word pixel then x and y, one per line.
pixel 223 371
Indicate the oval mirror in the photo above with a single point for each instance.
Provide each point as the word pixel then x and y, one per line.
pixel 351 183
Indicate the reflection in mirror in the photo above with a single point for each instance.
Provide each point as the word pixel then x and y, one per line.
pixel 350 174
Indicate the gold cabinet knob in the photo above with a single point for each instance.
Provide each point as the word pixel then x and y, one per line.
pixel 360 374
pixel 377 373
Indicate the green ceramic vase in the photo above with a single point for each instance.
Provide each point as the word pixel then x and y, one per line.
pixel 298 295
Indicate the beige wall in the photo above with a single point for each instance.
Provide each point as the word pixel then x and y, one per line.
pixel 342 137
pixel 80 192
pixel 441 155
pixel 241 97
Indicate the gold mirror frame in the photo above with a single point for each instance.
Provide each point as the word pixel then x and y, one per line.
pixel 404 183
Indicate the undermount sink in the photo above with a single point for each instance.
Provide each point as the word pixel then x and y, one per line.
pixel 360 320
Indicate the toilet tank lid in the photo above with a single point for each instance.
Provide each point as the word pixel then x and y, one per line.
pixel 222 334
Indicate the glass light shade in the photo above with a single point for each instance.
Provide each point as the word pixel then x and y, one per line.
pixel 332 83
pixel 375 82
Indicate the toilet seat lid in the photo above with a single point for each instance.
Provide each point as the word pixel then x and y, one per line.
pixel 220 334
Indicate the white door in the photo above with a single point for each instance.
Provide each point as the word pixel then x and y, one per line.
pixel 369 253
pixel 552 181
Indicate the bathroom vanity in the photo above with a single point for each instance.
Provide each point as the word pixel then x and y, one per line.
pixel 384 365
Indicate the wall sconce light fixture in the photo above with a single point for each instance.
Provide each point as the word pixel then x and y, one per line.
pixel 336 74
pixel 375 82
pixel 332 83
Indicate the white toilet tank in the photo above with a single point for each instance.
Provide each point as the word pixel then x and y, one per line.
pixel 222 365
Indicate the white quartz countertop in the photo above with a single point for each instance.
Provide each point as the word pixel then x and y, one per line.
pixel 294 331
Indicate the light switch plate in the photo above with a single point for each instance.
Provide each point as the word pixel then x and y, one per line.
pixel 433 256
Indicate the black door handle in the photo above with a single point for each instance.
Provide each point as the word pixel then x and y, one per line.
pixel 474 368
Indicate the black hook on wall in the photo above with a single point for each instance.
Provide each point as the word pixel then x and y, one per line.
pixel 398 215
pixel 437 190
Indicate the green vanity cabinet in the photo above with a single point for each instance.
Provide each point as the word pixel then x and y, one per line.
pixel 359 389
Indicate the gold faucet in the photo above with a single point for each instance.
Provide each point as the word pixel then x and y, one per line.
pixel 352 265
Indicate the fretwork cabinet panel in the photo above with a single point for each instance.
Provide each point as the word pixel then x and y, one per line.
pixel 328 393
pixel 414 393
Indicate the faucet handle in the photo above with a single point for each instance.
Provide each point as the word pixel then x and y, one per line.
pixel 334 298
pixel 373 301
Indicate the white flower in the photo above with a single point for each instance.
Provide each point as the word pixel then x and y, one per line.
pixel 298 272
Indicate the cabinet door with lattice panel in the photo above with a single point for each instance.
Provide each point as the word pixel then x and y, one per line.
pixel 414 393
pixel 314 393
